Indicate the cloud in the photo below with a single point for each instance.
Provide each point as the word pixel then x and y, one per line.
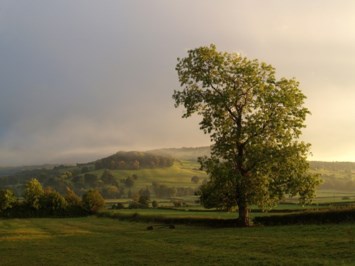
pixel 81 79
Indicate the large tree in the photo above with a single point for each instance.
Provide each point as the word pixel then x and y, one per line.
pixel 254 121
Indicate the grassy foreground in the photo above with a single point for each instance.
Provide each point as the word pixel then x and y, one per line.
pixel 103 241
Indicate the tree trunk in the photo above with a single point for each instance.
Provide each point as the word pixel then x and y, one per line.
pixel 243 218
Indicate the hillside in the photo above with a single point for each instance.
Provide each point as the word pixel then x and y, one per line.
pixel 186 154
pixel 120 175
pixel 165 172
pixel 133 160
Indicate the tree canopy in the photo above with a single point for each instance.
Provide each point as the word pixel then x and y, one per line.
pixel 254 121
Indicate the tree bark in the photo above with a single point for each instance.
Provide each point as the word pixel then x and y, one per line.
pixel 243 218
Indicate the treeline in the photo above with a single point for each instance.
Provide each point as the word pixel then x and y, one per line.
pixel 133 160
pixel 164 191
pixel 333 166
pixel 61 177
pixel 340 184
pixel 42 202
pixel 335 175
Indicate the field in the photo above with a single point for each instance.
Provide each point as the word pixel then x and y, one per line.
pixel 103 241
pixel 110 241
pixel 178 175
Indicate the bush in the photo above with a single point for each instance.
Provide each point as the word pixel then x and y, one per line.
pixel 117 206
pixel 155 204
pixel 315 217
pixel 136 205
pixel 92 201
pixel 52 203
pixel 7 199
pixel 179 203
pixel 33 194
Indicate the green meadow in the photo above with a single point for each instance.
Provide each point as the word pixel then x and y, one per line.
pixel 120 237
pixel 104 241
pixel 178 175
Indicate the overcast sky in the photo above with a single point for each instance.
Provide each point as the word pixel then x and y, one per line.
pixel 83 79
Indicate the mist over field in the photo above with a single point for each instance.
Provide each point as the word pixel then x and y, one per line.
pixel 80 80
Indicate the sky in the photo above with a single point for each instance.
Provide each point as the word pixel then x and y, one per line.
pixel 84 79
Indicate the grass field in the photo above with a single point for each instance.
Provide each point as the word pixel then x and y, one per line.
pixel 178 175
pixel 102 241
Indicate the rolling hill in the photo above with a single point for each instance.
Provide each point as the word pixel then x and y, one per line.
pixel 170 170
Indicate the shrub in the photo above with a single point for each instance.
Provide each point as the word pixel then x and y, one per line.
pixel 136 205
pixel 75 207
pixel 144 197
pixel 144 200
pixel 155 204
pixel 7 199
pixel 117 206
pixel 92 201
pixel 52 202
pixel 33 193
pixel 315 217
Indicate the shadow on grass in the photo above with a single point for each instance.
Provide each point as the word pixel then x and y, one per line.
pixel 311 217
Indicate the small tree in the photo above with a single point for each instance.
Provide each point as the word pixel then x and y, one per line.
pixel 72 198
pixel 254 121
pixel 7 199
pixel 33 193
pixel 155 204
pixel 108 178
pixel 129 182
pixel 74 202
pixel 144 197
pixel 91 180
pixel 92 201
pixel 52 202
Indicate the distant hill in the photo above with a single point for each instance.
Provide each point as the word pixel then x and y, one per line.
pixel 185 153
pixel 171 167
pixel 6 171
pixel 133 160
pixel 121 175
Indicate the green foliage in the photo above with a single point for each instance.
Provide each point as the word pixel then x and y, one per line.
pixel 163 191
pixel 40 203
pixel 7 199
pixel 52 202
pixel 178 174
pixel 155 204
pixel 254 121
pixel 72 198
pixel 133 160
pixel 129 182
pixel 184 154
pixel 108 178
pixel 92 180
pixel 137 205
pixel 144 197
pixel 111 192
pixel 33 194
pixel 92 201
pixel 117 206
